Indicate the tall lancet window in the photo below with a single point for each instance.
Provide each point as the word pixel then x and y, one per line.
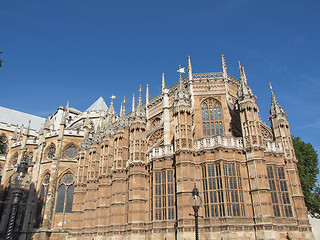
pixel 65 194
pixel 42 199
pixel 211 117
pixel 162 195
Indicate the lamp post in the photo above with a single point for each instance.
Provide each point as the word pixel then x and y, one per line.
pixel 196 203
pixel 19 182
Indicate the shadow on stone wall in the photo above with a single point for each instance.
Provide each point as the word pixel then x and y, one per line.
pixel 28 218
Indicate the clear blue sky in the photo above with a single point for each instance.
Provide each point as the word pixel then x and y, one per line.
pixel 75 50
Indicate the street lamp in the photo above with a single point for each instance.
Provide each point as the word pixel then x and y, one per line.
pixel 196 201
pixel 19 182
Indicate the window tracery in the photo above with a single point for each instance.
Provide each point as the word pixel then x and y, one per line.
pixel 65 194
pixel 51 152
pixel 222 190
pixel 42 199
pixel 71 152
pixel 211 118
pixel 279 192
pixel 162 195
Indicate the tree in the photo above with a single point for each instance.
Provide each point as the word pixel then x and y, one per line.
pixel 308 170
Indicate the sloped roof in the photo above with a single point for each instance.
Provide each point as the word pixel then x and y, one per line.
pixel 98 105
pixel 14 117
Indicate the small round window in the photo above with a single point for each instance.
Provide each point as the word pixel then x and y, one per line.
pixel 71 152
pixel 51 152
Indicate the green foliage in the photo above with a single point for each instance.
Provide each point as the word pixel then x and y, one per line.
pixel 308 170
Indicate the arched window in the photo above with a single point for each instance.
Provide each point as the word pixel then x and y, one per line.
pixel 211 118
pixel 29 158
pixel 3 144
pixel 71 152
pixel 15 159
pixel 65 194
pixel 42 199
pixel 51 151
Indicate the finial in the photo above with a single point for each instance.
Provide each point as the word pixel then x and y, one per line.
pixel 189 69
pixel 243 76
pixel 140 89
pixel 133 102
pixel 224 67
pixel 124 99
pixel 163 82
pixel 270 86
pixel 28 128
pixel 147 94
pixel 67 107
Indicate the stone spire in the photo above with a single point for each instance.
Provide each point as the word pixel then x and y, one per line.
pixel 111 110
pixel 163 82
pixel 140 111
pixel 47 123
pixel 133 102
pixel 275 109
pixel 15 134
pixel 67 111
pixel 28 128
pixel 244 90
pixel 123 121
pixel 189 69
pixel 109 129
pixel 147 94
pixel 224 67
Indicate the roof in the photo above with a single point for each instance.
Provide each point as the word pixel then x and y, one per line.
pixel 98 105
pixel 14 117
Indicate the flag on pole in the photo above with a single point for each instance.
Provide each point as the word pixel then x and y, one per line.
pixel 180 70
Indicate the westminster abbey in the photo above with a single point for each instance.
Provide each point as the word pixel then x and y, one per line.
pixel 101 175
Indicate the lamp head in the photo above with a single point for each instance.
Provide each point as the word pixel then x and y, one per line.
pixel 195 198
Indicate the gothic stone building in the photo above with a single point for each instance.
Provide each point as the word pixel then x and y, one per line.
pixel 99 175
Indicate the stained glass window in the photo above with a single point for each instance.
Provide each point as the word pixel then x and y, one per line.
pixel 223 194
pixel 71 152
pixel 163 195
pixel 279 192
pixel 15 159
pixel 65 194
pixel 51 152
pixel 211 118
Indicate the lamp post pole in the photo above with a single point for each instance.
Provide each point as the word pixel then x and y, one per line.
pixel 13 214
pixel 196 203
pixel 196 216
pixel 19 182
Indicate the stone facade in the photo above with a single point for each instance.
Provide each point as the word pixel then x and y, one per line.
pixel 99 175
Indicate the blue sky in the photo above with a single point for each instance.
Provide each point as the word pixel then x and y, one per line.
pixel 55 51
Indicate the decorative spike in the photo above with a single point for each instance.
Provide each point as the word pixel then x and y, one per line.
pixel 111 108
pixel 133 102
pixel 147 94
pixel 275 109
pixel 47 122
pixel 163 82
pixel 189 69
pixel 28 128
pixel 140 99
pixel 244 74
pixel 224 67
